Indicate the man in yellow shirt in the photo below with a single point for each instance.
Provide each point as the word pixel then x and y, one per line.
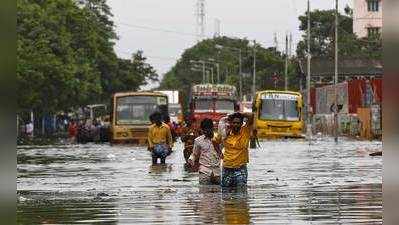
pixel 160 141
pixel 235 155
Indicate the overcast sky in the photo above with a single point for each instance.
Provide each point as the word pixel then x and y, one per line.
pixel 164 29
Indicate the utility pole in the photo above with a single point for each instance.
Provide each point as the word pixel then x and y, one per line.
pixel 286 63
pixel 203 72
pixel 217 73
pixel 217 28
pixel 275 41
pixel 336 75
pixel 212 80
pixel 254 74
pixel 240 73
pixel 240 66
pixel 290 48
pixel 200 16
pixel 309 108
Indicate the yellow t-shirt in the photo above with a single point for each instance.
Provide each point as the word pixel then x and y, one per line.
pixel 236 148
pixel 159 135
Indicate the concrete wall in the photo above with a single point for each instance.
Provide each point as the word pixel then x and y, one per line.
pixel 362 18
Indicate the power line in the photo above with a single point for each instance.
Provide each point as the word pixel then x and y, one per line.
pixel 151 56
pixel 134 26
pixel 156 29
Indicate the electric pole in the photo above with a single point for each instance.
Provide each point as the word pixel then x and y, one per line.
pixel 290 48
pixel 217 73
pixel 254 74
pixel 336 75
pixel 275 41
pixel 217 28
pixel 240 73
pixel 286 63
pixel 309 108
pixel 203 73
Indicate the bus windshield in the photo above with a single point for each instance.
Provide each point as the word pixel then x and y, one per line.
pixel 279 109
pixel 137 109
pixel 225 106
pixel 203 105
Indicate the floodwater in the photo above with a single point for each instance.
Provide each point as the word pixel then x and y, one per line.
pixel 290 182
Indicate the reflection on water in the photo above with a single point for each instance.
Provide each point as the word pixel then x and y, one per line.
pixel 289 182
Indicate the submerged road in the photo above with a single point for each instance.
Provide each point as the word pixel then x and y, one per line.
pixel 289 182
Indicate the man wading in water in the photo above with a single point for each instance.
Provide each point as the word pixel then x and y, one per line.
pixel 160 141
pixel 235 155
pixel 206 148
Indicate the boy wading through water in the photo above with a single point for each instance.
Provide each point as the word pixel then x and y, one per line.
pixel 235 154
pixel 206 148
pixel 160 141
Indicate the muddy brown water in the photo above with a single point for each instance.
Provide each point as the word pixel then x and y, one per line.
pixel 290 182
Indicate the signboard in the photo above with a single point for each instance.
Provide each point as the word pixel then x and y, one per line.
pixel 279 96
pixel 325 98
pixel 212 89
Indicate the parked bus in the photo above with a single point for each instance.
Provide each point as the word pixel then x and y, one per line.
pixel 278 114
pixel 130 115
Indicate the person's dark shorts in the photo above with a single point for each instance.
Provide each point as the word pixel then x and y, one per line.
pixel 160 151
pixel 233 177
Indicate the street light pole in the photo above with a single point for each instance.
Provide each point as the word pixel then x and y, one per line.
pixel 240 73
pixel 309 109
pixel 286 64
pixel 217 73
pixel 240 66
pixel 254 74
pixel 203 72
pixel 212 80
pixel 336 75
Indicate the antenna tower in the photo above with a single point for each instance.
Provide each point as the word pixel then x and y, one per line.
pixel 275 41
pixel 200 15
pixel 217 28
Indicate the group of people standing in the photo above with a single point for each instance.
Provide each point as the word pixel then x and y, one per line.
pixel 219 155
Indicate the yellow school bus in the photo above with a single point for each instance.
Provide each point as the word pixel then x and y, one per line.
pixel 130 115
pixel 278 114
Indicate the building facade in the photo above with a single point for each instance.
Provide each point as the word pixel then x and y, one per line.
pixel 367 17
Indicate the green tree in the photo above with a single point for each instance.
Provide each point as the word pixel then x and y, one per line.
pixel 268 62
pixel 133 73
pixel 65 56
pixel 322 34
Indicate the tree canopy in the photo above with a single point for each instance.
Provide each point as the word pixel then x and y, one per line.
pixel 322 33
pixel 268 62
pixel 66 58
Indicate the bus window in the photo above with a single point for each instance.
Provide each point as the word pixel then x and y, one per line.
pixel 272 109
pixel 226 106
pixel 203 105
pixel 135 109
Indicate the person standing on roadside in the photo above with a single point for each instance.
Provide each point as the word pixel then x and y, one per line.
pixel 72 131
pixel 235 154
pixel 29 129
pixel 160 141
pixel 206 149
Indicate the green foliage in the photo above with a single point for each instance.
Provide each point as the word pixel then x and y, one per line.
pixel 268 62
pixel 322 34
pixel 65 56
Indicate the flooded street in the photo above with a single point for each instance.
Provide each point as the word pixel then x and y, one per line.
pixel 289 182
